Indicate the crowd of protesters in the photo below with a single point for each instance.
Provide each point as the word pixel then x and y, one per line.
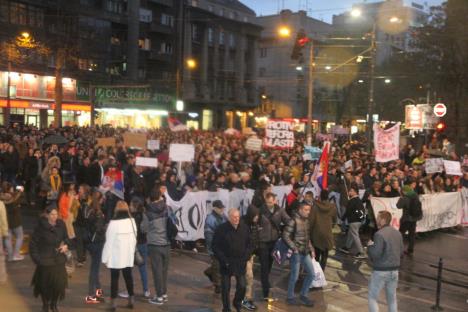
pixel 63 179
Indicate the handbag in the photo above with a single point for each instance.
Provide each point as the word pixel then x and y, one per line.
pixel 138 258
pixel 319 277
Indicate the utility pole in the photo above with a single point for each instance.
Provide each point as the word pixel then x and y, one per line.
pixel 310 94
pixel 371 104
pixel 6 114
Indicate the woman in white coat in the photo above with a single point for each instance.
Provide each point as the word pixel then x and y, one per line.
pixel 119 251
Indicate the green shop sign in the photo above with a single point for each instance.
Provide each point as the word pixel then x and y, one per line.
pixel 131 97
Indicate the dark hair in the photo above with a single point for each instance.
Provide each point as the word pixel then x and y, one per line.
pixel 386 216
pixel 138 204
pixel 155 193
pixel 252 212
pixel 49 209
pixel 324 195
pixel 270 195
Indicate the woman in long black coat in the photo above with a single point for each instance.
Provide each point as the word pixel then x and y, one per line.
pixel 48 249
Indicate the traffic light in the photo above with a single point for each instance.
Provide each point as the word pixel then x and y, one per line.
pixel 299 44
pixel 440 126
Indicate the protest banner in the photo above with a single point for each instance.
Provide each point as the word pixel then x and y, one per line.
pixel 153 145
pixel 254 144
pixel 340 130
pixel 464 194
pixel 313 152
pixel 147 162
pixel 440 210
pixel 279 134
pixel 452 167
pixel 182 152
pixel 324 137
pixel 135 140
pixel 105 142
pixel 387 143
pixel 349 164
pixel 433 165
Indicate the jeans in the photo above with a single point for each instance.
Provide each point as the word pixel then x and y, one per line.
pixel 95 251
pixel 3 273
pixel 80 233
pixel 409 227
pixel 353 239
pixel 143 249
pixel 266 262
pixel 321 256
pixel 226 291
pixel 159 259
pixel 249 277
pixel 296 261
pixel 379 280
pixel 127 274
pixel 18 232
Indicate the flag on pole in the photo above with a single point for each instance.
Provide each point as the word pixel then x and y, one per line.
pixel 320 175
pixel 113 182
pixel 175 125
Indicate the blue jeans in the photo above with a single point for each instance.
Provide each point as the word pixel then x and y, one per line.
pixel 379 280
pixel 296 261
pixel 95 251
pixel 18 232
pixel 143 249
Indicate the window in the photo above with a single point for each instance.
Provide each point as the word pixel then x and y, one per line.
pixel 221 12
pixel 144 44
pixel 115 6
pixel 261 72
pixel 18 13
pixel 221 37
pixel 166 48
pixel 167 20
pixel 115 40
pixel 263 52
pixel 210 8
pixel 210 35
pixel 231 15
pixel 245 19
pixel 195 3
pixel 232 40
pixel 195 33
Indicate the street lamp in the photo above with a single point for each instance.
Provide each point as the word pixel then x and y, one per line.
pixel 387 81
pixel 284 32
pixel 191 63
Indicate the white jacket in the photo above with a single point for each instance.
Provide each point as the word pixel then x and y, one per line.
pixel 3 220
pixel 119 248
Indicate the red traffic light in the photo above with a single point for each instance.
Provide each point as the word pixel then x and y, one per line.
pixel 303 41
pixel 440 126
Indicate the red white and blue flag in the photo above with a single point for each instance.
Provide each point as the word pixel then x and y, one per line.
pixel 175 125
pixel 320 176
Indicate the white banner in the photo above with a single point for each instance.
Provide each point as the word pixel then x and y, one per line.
pixel 452 167
pixel 440 210
pixel 279 134
pixel 181 152
pixel 254 144
pixel 464 193
pixel 147 162
pixel 153 145
pixel 387 143
pixel 191 211
pixel 433 165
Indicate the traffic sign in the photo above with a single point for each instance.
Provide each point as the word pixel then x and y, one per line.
pixel 440 110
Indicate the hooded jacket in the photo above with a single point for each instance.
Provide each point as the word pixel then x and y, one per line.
pixel 321 220
pixel 405 203
pixel 154 223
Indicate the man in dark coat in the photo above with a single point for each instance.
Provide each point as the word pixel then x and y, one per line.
pixel 409 202
pixel 232 247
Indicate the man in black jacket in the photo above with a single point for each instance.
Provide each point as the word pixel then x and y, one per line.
pixel 410 203
pixel 232 247
pixel 354 214
pixel 272 218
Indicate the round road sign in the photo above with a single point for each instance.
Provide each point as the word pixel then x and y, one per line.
pixel 440 110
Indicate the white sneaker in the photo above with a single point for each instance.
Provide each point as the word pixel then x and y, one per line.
pixel 156 300
pixel 123 294
pixel 165 298
pixel 147 294
pixel 18 258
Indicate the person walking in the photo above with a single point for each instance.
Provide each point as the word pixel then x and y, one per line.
pixel 213 221
pixel 119 251
pixel 232 247
pixel 3 233
pixel 11 199
pixel 95 232
pixel 80 223
pixel 355 214
pixel 297 236
pixel 384 254
pixel 412 213
pixel 321 220
pixel 48 249
pixel 154 224
pixel 272 217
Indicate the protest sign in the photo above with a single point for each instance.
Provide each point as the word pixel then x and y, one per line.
pixel 135 140
pixel 254 144
pixel 181 152
pixel 387 143
pixel 433 165
pixel 247 131
pixel 349 164
pixel 324 137
pixel 339 130
pixel 279 134
pixel 147 162
pixel 452 167
pixel 313 152
pixel 105 142
pixel 153 145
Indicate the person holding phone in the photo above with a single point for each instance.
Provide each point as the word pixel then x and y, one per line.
pixel 48 249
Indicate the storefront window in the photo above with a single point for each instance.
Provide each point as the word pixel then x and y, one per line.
pixel 192 124
pixel 207 122
pixel 132 118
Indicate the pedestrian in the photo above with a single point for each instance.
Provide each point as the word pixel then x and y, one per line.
pixel 252 220
pixel 95 231
pixel 154 224
pixel 49 251
pixel 67 202
pixel 80 223
pixel 3 233
pixel 412 213
pixel 384 253
pixel 232 248
pixel 297 236
pixel 272 218
pixel 321 219
pixel 213 221
pixel 11 197
pixel 119 251
pixel 293 199
pixel 355 215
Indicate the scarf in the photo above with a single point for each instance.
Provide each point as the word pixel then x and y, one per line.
pixel 55 185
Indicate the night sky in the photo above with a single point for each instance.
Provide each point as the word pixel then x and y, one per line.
pixel 320 9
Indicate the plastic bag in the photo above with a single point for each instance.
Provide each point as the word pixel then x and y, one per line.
pixel 319 277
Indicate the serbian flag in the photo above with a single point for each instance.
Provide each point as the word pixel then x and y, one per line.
pixel 113 182
pixel 175 125
pixel 320 176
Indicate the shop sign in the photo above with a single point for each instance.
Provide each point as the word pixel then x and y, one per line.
pixel 413 117
pixel 83 91
pixel 38 105
pixel 429 120
pixel 131 97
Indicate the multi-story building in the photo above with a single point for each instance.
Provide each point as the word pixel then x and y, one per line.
pixel 283 81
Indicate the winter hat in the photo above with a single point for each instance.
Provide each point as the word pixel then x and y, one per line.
pixel 407 189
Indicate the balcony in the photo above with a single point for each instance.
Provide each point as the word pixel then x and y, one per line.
pixel 160 28
pixel 159 56
pixel 168 3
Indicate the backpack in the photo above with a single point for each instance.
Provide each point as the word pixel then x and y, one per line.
pixel 415 210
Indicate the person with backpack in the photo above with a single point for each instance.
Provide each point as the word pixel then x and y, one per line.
pixel 356 215
pixel 412 213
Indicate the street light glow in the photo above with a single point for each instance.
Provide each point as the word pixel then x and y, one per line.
pixel 264 96
pixel 299 68
pixel 387 80
pixel 328 67
pixel 395 20
pixel 191 63
pixel 284 31
pixel 25 35
pixel 356 12
pixel 361 81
